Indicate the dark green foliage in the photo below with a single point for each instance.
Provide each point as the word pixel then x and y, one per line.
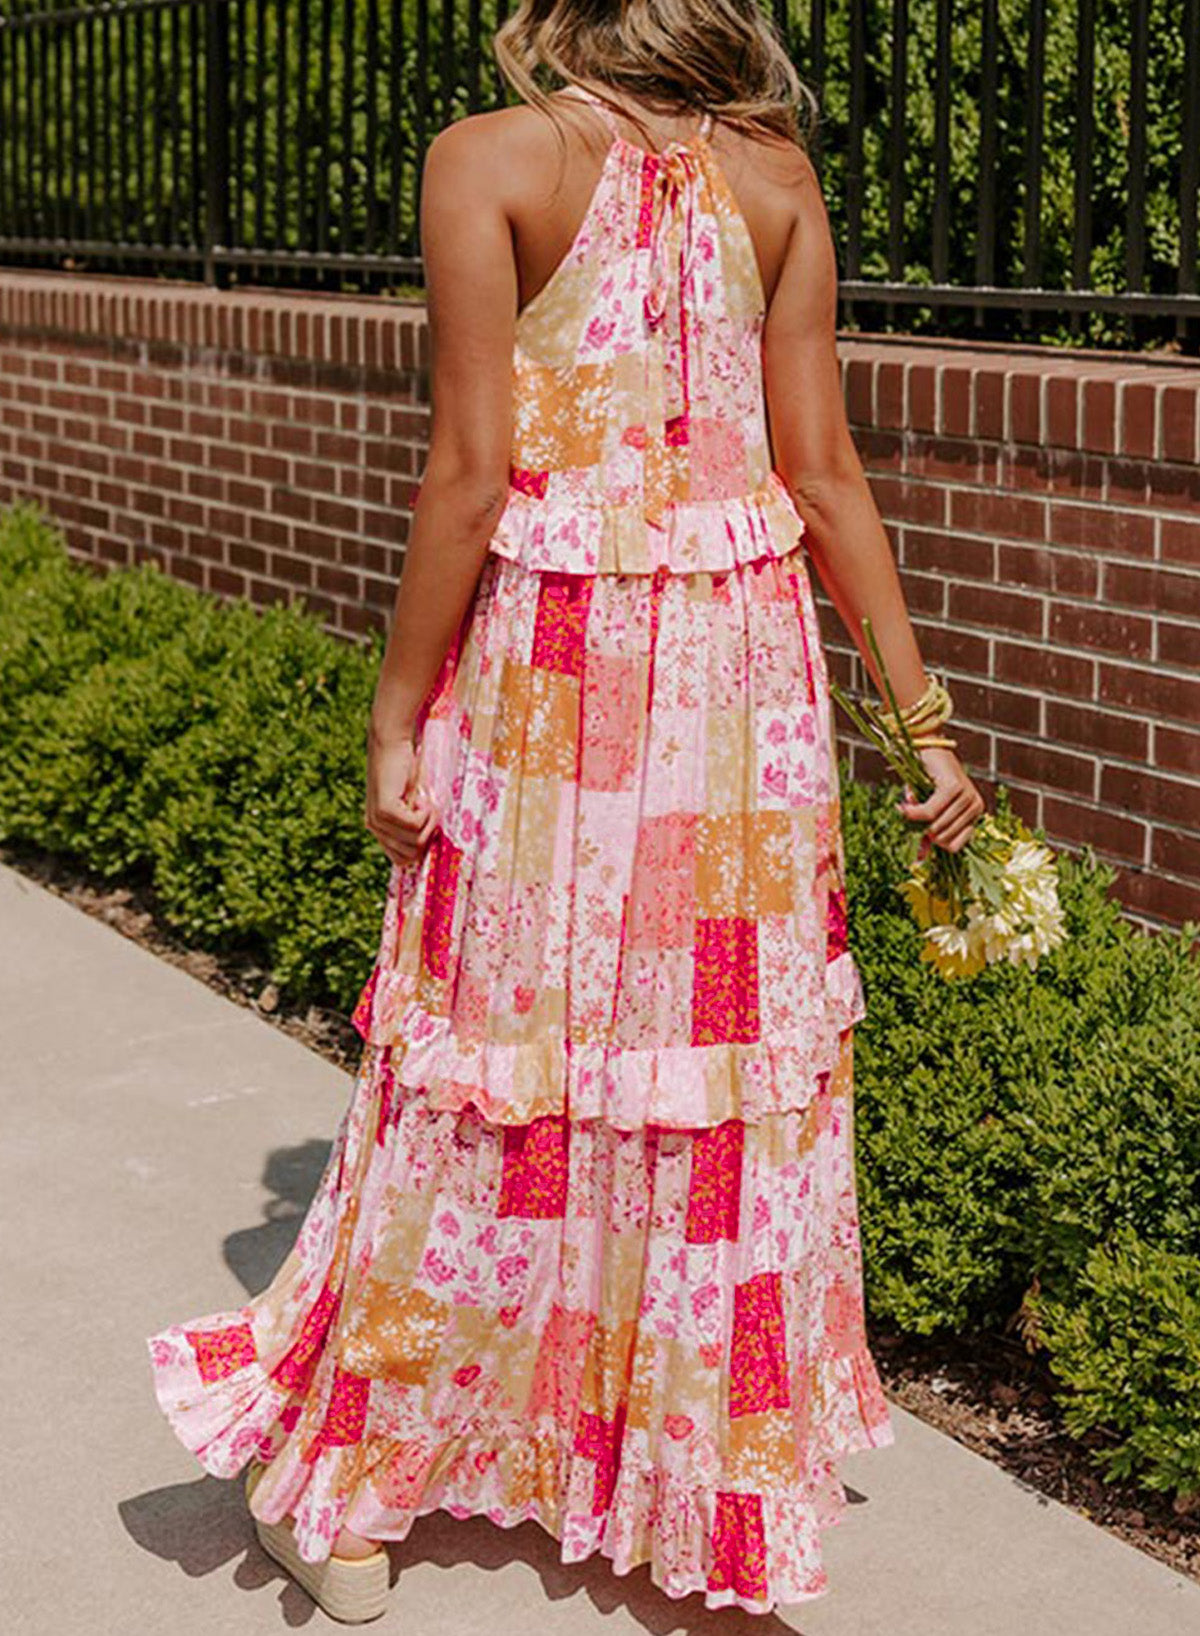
pixel 1029 1145
pixel 1027 1142
pixel 210 750
pixel 1124 1340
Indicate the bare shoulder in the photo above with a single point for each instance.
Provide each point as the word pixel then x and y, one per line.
pixel 780 170
pixel 776 186
pixel 496 151
pixel 785 164
pixel 801 186
pixel 466 149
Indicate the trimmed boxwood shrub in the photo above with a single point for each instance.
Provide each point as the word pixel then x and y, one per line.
pixel 1028 1142
pixel 209 750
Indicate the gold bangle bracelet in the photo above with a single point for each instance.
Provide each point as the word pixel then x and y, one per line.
pixel 934 699
pixel 924 723
pixel 931 710
pixel 917 724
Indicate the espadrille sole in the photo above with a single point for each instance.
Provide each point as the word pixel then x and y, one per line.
pixel 353 1590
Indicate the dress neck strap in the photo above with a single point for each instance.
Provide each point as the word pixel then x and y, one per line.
pixel 704 131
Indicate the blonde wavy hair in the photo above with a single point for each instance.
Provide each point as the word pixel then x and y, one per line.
pixel 675 56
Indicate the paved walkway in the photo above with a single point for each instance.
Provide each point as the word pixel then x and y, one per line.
pixel 159 1146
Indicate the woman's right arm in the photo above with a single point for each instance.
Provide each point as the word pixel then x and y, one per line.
pixel 815 455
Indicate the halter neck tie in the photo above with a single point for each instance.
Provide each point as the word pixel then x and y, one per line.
pixel 668 200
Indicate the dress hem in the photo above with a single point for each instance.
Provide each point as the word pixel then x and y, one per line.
pixel 822 1508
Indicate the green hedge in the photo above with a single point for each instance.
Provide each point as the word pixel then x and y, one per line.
pixel 1028 1143
pixel 1029 1150
pixel 208 749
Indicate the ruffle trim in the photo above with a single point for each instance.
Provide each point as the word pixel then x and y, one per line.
pixel 683 1086
pixel 679 1527
pixel 569 535
pixel 750 1550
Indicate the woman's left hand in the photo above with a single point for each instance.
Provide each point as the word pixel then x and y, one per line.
pixel 399 811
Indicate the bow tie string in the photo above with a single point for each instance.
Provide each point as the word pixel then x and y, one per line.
pixel 671 226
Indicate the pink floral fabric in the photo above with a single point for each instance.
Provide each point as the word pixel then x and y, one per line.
pixel 586 1249
pixel 634 906
pixel 649 1341
pixel 640 431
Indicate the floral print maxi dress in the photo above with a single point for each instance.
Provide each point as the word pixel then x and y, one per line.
pixel 586 1249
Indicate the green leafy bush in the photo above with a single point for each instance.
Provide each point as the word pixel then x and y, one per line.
pixel 1029 1148
pixel 1028 1142
pixel 212 751
pixel 1125 1342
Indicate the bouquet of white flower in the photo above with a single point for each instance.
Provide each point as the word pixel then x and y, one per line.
pixel 996 898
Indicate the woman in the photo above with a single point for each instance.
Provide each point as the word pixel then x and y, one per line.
pixel 586 1249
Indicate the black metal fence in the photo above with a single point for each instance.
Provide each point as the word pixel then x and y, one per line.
pixel 1003 166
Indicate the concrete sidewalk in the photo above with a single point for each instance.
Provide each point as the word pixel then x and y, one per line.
pixel 159 1147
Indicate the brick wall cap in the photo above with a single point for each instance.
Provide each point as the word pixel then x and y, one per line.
pixel 1020 357
pixel 151 309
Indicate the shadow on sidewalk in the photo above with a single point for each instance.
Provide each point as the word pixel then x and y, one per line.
pixel 255 1254
pixel 204 1525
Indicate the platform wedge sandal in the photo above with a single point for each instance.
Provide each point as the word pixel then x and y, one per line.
pixel 353 1590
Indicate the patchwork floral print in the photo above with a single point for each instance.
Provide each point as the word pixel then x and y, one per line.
pixel 586 1247
pixel 634 907
pixel 649 1341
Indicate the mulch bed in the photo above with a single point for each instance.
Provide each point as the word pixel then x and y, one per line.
pixel 986 1390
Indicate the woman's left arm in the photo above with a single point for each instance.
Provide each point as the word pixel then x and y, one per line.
pixel 471 282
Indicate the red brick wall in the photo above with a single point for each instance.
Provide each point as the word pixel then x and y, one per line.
pixel 1044 509
pixel 1045 512
pixel 256 446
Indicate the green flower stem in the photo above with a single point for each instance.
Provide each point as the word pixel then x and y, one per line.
pixel 909 767
pixel 902 728
pixel 976 870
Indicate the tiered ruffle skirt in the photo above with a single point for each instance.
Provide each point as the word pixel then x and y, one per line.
pixel 586 1249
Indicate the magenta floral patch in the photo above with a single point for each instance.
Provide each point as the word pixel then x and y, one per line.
pixel 222 1352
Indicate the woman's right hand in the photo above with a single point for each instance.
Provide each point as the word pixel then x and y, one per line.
pixel 951 808
pixel 399 812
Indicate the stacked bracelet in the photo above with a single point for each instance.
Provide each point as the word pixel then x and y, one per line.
pixel 924 716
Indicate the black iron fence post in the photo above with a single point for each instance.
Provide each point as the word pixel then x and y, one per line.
pixel 216 138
